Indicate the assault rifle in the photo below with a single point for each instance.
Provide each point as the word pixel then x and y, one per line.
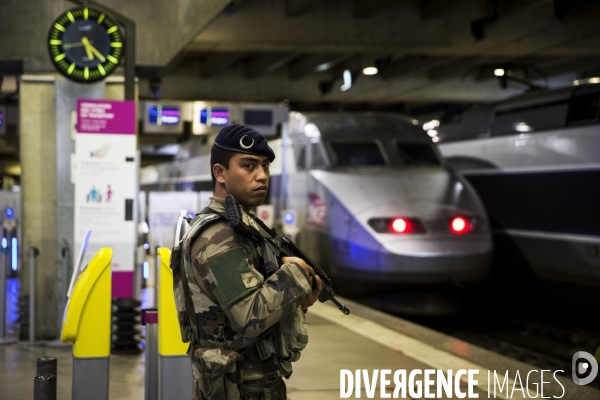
pixel 286 248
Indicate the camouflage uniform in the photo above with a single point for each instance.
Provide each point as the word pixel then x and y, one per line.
pixel 236 309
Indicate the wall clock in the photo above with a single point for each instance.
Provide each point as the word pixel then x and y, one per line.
pixel 85 44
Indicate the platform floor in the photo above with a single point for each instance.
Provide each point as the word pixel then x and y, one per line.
pixel 367 339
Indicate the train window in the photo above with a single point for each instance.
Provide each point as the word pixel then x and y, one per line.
pixel 583 108
pixel 357 154
pixel 301 158
pixel 417 154
pixel 317 161
pixel 531 119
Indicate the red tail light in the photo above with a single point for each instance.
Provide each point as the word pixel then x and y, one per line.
pixel 401 225
pixel 460 225
pixel 398 225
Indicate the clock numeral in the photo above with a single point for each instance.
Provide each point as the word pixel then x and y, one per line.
pixel 113 29
pixel 71 18
pixel 116 44
pixel 59 27
pixel 101 18
pixel 101 69
pixel 56 42
pixel 85 13
pixel 71 69
pixel 112 59
pixel 60 57
pixel 86 73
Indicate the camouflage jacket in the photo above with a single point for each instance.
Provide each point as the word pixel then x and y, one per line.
pixel 226 277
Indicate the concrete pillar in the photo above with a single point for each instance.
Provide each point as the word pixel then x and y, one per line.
pixel 47 192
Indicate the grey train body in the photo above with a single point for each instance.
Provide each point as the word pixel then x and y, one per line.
pixel 336 200
pixel 535 161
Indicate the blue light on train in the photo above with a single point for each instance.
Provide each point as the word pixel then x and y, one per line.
pixel 145 269
pixel 288 218
pixel 4 243
pixel 146 246
pixel 9 213
pixel 14 254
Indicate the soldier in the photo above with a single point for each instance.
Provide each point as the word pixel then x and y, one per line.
pixel 247 326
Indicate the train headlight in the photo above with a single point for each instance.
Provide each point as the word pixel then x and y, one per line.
pixel 460 226
pixel 398 225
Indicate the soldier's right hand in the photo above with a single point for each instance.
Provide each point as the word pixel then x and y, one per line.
pixel 310 273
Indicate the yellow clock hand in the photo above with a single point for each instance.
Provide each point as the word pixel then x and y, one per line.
pixel 88 47
pixel 97 53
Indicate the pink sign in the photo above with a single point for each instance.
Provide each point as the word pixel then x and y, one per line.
pixel 106 117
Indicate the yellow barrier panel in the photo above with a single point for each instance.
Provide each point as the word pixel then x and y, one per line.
pixel 87 319
pixel 169 334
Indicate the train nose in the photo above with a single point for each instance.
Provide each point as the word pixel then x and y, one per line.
pixel 436 261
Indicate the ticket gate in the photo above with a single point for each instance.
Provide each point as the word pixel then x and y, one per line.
pixel 175 369
pixel 87 324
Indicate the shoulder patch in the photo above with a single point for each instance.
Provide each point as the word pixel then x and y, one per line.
pixel 229 269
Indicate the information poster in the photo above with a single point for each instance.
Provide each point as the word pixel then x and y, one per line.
pixel 106 186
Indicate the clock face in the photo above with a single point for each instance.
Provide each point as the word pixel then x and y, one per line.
pixel 85 44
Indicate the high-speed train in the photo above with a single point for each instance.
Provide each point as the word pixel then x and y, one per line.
pixel 535 162
pixel 373 200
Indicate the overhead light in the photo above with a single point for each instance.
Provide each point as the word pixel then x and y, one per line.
pixel 370 71
pixel 347 80
pixel 499 72
pixel 432 133
pixel 434 123
pixel 323 67
pixel 523 127
pixel 312 131
pixel 435 139
pixel 594 79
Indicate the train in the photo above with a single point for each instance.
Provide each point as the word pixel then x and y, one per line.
pixel 534 160
pixel 373 202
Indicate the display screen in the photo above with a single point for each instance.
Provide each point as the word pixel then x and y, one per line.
pixel 214 116
pixel 258 117
pixel 164 115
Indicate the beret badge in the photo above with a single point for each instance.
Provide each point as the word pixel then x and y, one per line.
pixel 243 146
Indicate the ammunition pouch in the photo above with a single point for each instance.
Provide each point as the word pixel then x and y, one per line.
pixel 260 392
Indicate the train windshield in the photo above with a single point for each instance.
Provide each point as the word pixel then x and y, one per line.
pixel 417 154
pixel 357 154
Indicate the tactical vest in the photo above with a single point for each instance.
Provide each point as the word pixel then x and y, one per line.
pixel 284 340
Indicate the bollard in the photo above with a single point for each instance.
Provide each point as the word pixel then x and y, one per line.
pixel 44 387
pixel 33 253
pixel 150 319
pixel 46 366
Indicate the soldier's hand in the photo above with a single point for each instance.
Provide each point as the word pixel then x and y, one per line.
pixel 307 269
pixel 317 287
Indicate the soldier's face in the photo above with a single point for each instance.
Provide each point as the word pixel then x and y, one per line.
pixel 247 179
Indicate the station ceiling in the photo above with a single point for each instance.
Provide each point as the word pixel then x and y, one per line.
pixel 427 52
pixel 433 56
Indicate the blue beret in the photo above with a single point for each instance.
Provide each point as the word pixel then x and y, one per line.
pixel 243 139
